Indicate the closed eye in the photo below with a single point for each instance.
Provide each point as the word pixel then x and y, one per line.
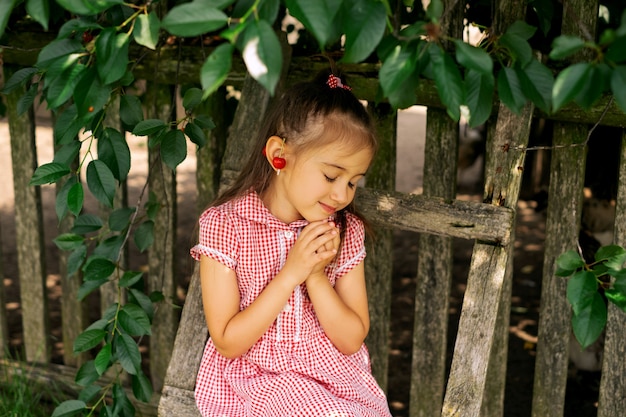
pixel 331 180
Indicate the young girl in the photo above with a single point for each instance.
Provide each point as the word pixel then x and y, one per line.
pixel 281 265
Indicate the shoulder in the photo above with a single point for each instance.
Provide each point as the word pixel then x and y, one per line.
pixel 355 229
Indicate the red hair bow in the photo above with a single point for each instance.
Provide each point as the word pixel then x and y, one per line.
pixel 335 82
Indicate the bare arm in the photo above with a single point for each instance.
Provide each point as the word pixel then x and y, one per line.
pixel 342 310
pixel 233 331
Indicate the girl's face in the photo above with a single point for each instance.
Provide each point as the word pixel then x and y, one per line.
pixel 318 182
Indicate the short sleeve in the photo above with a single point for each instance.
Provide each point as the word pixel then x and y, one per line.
pixel 217 238
pixel 353 246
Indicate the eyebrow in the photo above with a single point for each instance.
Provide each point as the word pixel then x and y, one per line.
pixel 342 168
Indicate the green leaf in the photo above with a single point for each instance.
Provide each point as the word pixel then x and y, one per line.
pixel 149 127
pixel 119 219
pixel 60 204
pixel 111 55
pixel 399 65
pixel 537 82
pixel 121 404
pixel 56 49
pixel 568 263
pixel 620 283
pixel 590 322
pixel 87 7
pixel 127 352
pixel 101 182
pixel 98 268
pixel 62 88
pixel 69 408
pixel 131 111
pixel 518 47
pixel 130 278
pixel 90 95
pixel 615 52
pixel 616 297
pixel 566 45
pixel 613 256
pixel 545 11
pixel 49 173
pixel 134 320
pixel 77 26
pixel 86 223
pixel 193 19
pixel 193 97
pixel 5 11
pixel 88 393
pixel 173 148
pixel 316 16
pixel 67 153
pixel 142 387
pixel 618 86
pixel 88 340
pixel 568 83
pixel 90 286
pixel 479 88
pixel 68 241
pixel 521 29
pixel 434 10
pixel 19 79
pixel 67 126
pixel 364 29
pixel 87 374
pixel 75 198
pixel 448 81
pixel 204 122
pixel 510 91
pixel 262 54
pixel 216 67
pixel 597 82
pixel 144 235
pixel 26 101
pixel 76 259
pixel 39 10
pixel 115 153
pixel 473 58
pixel 102 361
pixel 195 134
pixel 581 289
pixel 141 299
pixel 110 247
pixel 146 31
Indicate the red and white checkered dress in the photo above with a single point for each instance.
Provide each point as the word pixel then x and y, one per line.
pixel 293 370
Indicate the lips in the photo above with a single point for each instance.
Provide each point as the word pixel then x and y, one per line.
pixel 327 208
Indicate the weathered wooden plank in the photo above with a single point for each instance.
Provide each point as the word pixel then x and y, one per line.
pixel 434 272
pixel 562 225
pixel 378 264
pixel 612 402
pixel 29 230
pixel 177 402
pixel 161 259
pixel 182 65
pixel 419 213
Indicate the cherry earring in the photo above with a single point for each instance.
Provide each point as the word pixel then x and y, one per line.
pixel 278 161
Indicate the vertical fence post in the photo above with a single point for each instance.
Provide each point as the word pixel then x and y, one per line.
pixel 4 330
pixel 434 272
pixel 29 230
pixel 162 182
pixel 378 263
pixel 612 401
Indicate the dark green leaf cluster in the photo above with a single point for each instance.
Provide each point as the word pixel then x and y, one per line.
pixel 591 286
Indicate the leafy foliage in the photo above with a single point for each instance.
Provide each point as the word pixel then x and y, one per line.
pixel 86 73
pixel 591 286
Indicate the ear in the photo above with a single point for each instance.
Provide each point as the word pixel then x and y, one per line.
pixel 273 148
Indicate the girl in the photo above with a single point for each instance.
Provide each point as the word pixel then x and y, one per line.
pixel 281 265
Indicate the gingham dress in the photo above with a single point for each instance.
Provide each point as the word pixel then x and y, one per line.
pixel 293 369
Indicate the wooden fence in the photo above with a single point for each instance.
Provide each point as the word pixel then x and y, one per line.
pixel 474 384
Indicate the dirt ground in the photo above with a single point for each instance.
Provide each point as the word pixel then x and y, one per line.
pixel 582 387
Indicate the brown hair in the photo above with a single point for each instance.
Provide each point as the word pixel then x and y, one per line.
pixel 303 116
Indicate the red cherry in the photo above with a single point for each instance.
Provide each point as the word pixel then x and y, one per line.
pixel 87 37
pixel 278 162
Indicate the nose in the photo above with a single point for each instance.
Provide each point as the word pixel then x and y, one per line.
pixel 341 194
